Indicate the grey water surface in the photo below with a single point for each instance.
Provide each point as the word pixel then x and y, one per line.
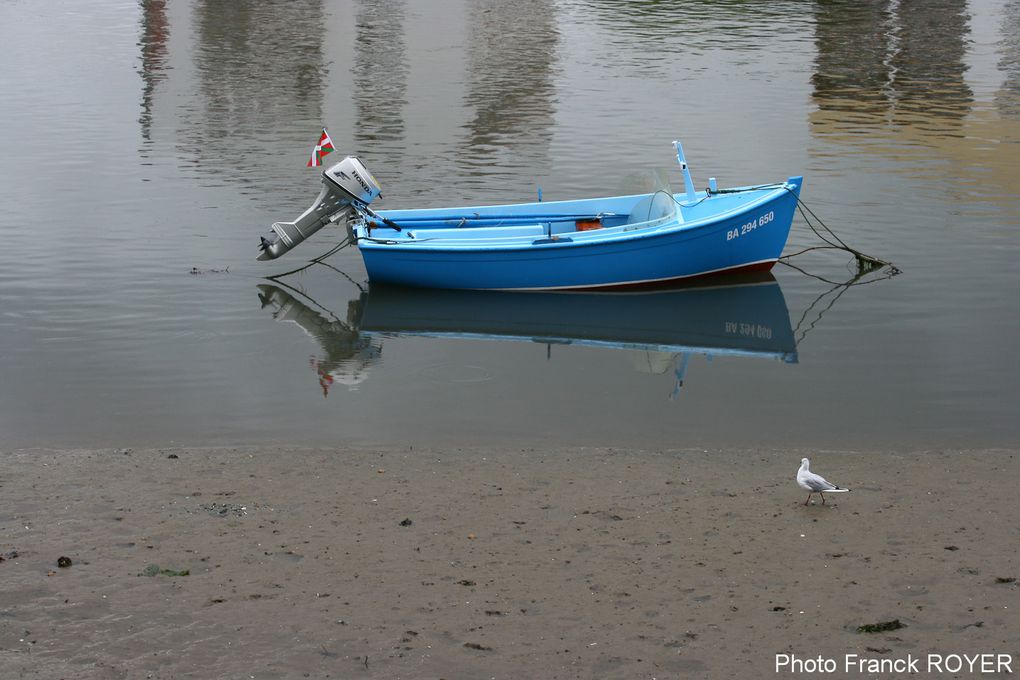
pixel 145 146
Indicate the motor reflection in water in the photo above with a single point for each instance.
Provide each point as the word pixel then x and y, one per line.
pixel 658 331
pixel 347 354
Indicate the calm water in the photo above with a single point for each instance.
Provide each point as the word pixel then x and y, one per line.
pixel 144 139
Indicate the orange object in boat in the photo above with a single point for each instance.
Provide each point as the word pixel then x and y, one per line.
pixel 588 225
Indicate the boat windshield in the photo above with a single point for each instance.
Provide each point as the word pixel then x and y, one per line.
pixel 657 203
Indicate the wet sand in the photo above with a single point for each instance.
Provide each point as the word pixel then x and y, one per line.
pixel 586 563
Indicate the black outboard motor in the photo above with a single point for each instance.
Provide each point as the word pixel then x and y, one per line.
pixel 344 185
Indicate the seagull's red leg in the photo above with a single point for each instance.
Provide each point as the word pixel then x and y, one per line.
pixel 808 497
pixel 823 497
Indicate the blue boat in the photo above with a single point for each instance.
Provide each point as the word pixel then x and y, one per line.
pixel 622 242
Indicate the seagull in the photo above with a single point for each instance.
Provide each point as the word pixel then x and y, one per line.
pixel 815 484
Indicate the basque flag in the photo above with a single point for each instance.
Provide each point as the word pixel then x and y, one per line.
pixel 323 147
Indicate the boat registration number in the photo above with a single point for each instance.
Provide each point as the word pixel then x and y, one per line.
pixel 748 227
pixel 749 330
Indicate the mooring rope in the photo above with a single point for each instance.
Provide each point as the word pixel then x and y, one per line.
pixel 865 262
pixel 318 260
pixel 345 275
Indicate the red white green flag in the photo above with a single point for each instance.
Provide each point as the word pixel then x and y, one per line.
pixel 323 147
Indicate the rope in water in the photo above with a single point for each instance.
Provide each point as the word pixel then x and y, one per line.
pixel 865 263
pixel 335 249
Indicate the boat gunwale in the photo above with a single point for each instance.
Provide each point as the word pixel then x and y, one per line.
pixel 605 236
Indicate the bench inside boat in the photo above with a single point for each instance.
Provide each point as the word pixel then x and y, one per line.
pixel 530 221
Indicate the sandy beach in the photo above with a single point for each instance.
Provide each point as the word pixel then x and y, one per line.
pixel 534 563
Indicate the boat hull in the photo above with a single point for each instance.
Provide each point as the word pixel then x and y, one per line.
pixel 749 237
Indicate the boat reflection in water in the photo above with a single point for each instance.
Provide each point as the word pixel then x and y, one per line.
pixel 347 354
pixel 661 330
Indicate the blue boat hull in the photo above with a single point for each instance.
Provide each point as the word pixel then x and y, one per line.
pixel 748 233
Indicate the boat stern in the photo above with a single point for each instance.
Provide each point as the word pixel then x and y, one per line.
pixel 345 186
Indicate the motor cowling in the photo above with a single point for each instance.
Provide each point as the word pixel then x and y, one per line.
pixel 344 185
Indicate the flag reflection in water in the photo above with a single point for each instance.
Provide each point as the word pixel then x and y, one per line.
pixel 660 331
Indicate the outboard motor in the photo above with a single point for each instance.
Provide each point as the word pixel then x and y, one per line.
pixel 344 186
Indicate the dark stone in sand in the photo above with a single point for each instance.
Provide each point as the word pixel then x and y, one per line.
pixel 64 562
pixel 881 627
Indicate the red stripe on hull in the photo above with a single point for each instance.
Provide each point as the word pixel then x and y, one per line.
pixel 693 280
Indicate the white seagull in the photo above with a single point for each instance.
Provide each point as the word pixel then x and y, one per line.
pixel 815 484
